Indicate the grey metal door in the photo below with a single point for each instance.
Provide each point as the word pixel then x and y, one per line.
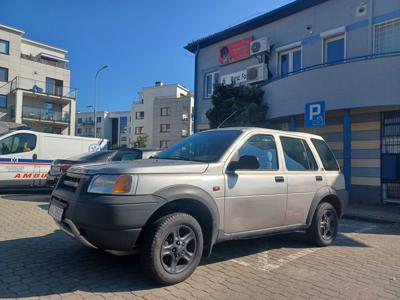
pixel 390 156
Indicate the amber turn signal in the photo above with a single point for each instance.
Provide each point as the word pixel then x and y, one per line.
pixel 123 184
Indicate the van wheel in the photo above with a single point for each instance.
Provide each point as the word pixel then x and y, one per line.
pixel 324 226
pixel 172 248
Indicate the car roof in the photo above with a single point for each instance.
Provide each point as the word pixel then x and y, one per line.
pixel 268 130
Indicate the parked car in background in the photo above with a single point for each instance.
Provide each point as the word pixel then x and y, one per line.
pixel 213 186
pixel 26 155
pixel 60 166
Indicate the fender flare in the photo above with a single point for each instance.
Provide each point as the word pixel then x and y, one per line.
pixel 177 192
pixel 319 195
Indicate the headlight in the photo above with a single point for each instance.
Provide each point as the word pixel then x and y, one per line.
pixel 113 184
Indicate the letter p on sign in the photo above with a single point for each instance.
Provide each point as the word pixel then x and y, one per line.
pixel 314 114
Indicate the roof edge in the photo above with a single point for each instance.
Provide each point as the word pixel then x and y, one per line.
pixel 264 19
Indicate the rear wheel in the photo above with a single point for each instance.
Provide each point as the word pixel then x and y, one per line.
pixel 172 248
pixel 324 226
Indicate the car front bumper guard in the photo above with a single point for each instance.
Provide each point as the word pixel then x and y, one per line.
pixel 73 231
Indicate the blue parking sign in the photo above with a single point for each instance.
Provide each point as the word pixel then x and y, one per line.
pixel 315 114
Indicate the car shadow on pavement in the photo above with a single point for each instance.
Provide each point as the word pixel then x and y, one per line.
pixel 57 264
pixel 32 197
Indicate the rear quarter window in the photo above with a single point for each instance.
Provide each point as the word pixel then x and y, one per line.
pixel 328 159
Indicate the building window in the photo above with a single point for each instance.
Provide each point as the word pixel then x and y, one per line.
pixel 79 120
pixel 54 86
pixel 289 61
pixel 139 115
pixel 165 111
pixel 387 37
pixel 210 80
pixel 3 101
pixel 138 130
pixel 163 144
pixel 4 47
pixel 79 131
pixel 165 127
pixel 123 124
pixel 334 49
pixel 3 74
pixel 98 120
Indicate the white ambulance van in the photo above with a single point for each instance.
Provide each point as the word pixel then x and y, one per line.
pixel 26 156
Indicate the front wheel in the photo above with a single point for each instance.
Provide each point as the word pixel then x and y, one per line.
pixel 324 226
pixel 172 248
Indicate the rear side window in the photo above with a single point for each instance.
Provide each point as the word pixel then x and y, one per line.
pixel 326 155
pixel 18 143
pixel 298 155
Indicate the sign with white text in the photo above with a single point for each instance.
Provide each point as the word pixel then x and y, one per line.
pixel 314 114
pixel 236 77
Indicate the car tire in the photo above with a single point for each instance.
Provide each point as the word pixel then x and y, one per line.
pixel 324 226
pixel 172 248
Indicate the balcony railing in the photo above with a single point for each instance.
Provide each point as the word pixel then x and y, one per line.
pixel 333 63
pixel 42 87
pixel 51 62
pixel 44 114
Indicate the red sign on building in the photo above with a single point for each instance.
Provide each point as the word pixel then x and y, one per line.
pixel 235 51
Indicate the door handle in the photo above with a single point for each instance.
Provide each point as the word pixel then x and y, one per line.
pixel 279 179
pixel 318 178
pixel 34 157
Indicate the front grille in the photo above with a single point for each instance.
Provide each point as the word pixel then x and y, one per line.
pixel 72 182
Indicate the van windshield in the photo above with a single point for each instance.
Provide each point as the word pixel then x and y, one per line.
pixel 207 146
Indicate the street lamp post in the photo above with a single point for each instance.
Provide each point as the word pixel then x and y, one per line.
pixel 95 97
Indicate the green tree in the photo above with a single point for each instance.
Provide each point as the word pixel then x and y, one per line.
pixel 141 142
pixel 246 101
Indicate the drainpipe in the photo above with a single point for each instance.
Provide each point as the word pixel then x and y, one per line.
pixel 371 27
pixel 347 149
pixel 195 90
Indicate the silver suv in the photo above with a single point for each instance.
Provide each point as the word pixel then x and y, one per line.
pixel 213 186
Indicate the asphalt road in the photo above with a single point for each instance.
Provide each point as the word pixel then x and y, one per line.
pixel 37 260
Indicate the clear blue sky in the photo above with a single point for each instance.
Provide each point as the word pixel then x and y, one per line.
pixel 142 41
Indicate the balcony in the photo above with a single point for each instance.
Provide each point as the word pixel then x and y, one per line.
pixel 43 88
pixel 45 115
pixel 357 82
pixel 49 61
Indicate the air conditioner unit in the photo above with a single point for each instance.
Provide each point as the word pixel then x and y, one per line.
pixel 256 73
pixel 259 46
pixel 185 132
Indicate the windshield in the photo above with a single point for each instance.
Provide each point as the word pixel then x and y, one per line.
pixel 92 156
pixel 207 146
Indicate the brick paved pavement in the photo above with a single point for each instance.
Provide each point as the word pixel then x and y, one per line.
pixel 39 261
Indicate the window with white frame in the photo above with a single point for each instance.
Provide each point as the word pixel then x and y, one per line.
pixel 165 111
pixel 290 61
pixel 163 144
pixel 387 37
pixel 334 48
pixel 139 115
pixel 165 127
pixel 209 80
pixel 139 130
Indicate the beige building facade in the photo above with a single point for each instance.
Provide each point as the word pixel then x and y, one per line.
pixel 35 84
pixel 163 114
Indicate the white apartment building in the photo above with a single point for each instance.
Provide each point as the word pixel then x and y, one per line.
pixel 114 126
pixel 163 114
pixel 35 84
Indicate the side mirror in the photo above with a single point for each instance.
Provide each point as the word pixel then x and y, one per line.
pixel 246 162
